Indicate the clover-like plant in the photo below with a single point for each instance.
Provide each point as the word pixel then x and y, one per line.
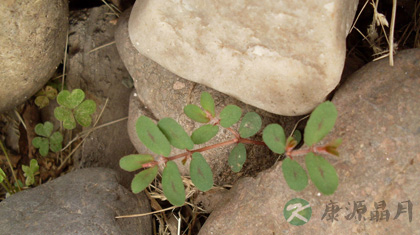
pixel 47 140
pixel 30 172
pixel 167 133
pixel 74 108
pixel 44 96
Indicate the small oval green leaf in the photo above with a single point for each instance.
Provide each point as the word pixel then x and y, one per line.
pixel 230 115
pixel 322 173
pixel 250 125
pixel 204 134
pixel 294 174
pixel 320 123
pixel 274 138
pixel 172 185
pixel 200 172
pixel 297 135
pixel 207 103
pixel 151 136
pixel 135 161
pixel 143 179
pixel 237 157
pixel 195 113
pixel 175 134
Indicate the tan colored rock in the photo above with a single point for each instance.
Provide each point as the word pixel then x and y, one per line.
pixel 32 42
pixel 378 119
pixel 280 56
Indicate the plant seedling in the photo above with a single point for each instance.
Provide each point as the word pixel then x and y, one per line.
pixel 74 108
pixel 47 140
pixel 30 172
pixel 167 132
pixel 44 96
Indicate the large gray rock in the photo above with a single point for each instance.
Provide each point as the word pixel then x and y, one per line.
pixel 379 121
pixel 160 93
pixel 280 56
pixel 101 74
pixel 81 202
pixel 32 41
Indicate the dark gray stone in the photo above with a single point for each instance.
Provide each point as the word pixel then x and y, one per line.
pixel 82 202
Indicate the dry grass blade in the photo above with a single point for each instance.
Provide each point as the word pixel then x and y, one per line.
pixel 65 61
pixel 20 118
pixel 357 18
pixel 84 133
pixel 113 9
pixel 100 47
pixel 144 214
pixel 297 123
pixel 391 33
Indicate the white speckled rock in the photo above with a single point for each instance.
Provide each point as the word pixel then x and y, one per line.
pixel 278 55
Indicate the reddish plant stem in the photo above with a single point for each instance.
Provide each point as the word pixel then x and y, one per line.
pixel 228 142
pixel 302 152
pixel 289 150
pixel 248 141
pixel 236 134
pixel 189 152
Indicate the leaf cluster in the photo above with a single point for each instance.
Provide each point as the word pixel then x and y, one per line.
pixel 166 134
pixel 73 108
pixel 321 172
pixel 44 96
pixel 47 140
pixel 30 172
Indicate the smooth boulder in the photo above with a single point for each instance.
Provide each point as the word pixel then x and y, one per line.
pixel 32 41
pixel 284 56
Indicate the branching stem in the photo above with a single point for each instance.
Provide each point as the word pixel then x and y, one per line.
pixel 290 152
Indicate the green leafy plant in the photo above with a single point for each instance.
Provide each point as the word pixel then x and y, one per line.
pixel 74 108
pixel 47 140
pixel 30 172
pixel 4 181
pixel 321 172
pixel 167 133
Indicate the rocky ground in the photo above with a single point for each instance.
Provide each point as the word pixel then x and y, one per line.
pixel 83 189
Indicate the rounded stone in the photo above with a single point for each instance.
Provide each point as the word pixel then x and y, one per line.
pixel 379 122
pixel 32 42
pixel 283 56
